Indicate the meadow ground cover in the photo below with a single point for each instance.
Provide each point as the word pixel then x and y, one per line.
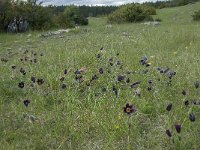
pixel 129 86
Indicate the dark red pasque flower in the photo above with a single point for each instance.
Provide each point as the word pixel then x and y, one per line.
pixel 65 71
pixel 94 77
pixel 40 81
pixel 149 88
pixel 169 107
pixel 120 78
pixel 13 67
pixel 33 79
pixel 168 133
pixel 98 56
pixel 62 79
pixel 63 86
pixel 150 81
pixel 178 128
pixel 186 102
pixel 101 70
pixel 127 80
pixel 26 102
pixel 135 84
pixel 192 117
pixel 22 71
pixel 184 92
pixel 118 62
pixel 129 109
pixel 103 89
pixel 196 84
pixel 21 84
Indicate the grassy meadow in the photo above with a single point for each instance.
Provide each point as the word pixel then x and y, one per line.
pixel 83 109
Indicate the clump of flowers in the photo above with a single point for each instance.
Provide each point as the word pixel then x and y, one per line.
pixel 40 81
pixel 62 79
pixel 21 84
pixel 22 71
pixel 94 77
pixel 63 86
pixel 13 67
pixel 101 70
pixel 143 60
pixel 33 79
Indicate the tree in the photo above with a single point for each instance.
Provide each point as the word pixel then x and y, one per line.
pixel 71 17
pixel 6 13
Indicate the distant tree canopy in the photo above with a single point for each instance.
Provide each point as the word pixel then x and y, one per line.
pixel 169 3
pixel 94 11
pixel 132 13
pixel 71 16
pixel 89 11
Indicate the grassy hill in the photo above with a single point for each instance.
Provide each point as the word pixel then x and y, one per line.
pixel 178 15
pixel 84 110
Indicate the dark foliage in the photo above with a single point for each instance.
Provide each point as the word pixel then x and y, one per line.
pixel 171 3
pixel 196 15
pixel 37 16
pixel 132 13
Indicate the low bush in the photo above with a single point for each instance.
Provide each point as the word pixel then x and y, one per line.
pixel 196 15
pixel 132 13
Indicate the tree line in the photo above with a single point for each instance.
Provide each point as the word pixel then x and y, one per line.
pixel 90 11
pixel 169 3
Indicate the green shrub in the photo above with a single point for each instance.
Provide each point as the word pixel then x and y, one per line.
pixel 196 15
pixel 71 17
pixel 132 13
pixel 158 19
pixel 149 10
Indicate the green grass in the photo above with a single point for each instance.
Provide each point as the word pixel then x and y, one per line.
pixel 178 15
pixel 81 116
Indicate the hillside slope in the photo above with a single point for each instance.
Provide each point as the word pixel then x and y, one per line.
pixel 181 14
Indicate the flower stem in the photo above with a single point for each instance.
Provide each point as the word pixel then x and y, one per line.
pixel 129 132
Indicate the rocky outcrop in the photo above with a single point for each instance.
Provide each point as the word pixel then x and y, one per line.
pixel 20 25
